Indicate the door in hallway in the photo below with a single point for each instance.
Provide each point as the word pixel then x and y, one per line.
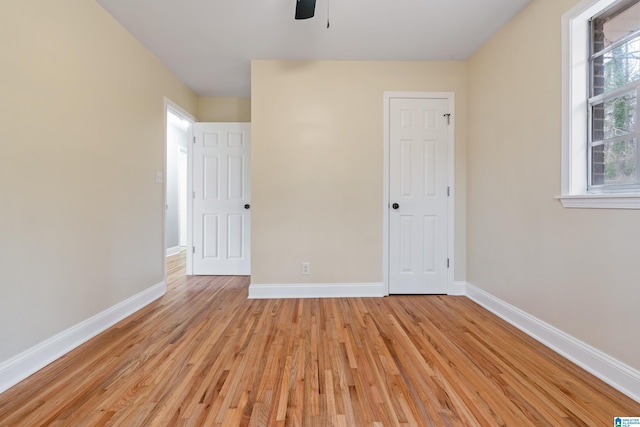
pixel 221 198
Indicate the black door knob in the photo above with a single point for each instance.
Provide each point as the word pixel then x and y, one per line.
pixel 247 206
pixel 395 206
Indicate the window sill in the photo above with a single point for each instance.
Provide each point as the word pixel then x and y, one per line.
pixel 601 201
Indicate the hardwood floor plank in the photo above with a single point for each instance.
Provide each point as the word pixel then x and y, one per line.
pixel 204 355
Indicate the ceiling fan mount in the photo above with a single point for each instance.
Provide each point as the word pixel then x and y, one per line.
pixel 305 9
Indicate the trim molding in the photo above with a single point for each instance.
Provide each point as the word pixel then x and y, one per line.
pixel 601 201
pixel 19 367
pixel 617 374
pixel 316 290
pixel 173 251
pixel 458 289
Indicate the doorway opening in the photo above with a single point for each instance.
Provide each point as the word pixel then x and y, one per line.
pixel 178 128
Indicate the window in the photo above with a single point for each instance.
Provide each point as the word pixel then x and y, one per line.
pixel 601 85
pixel 614 66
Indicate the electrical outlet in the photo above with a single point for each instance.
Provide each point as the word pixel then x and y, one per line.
pixel 306 268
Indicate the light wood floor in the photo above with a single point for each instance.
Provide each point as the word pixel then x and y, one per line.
pixel 205 355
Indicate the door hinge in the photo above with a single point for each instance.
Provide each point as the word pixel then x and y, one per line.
pixel 447 262
pixel 194 194
pixel 194 139
pixel 448 116
pixel 193 249
pixel 448 191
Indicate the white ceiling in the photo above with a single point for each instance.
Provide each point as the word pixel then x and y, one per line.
pixel 209 44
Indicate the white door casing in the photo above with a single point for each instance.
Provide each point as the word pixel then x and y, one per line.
pixel 419 187
pixel 221 198
pixel 183 171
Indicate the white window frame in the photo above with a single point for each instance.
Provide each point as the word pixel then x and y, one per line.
pixel 575 75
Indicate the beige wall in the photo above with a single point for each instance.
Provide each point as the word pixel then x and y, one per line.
pixel 576 269
pixel 82 137
pixel 317 165
pixel 224 109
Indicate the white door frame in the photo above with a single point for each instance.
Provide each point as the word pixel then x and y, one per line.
pixel 450 96
pixel 183 217
pixel 170 106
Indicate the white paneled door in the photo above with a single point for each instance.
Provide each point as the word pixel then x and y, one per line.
pixel 418 195
pixel 221 198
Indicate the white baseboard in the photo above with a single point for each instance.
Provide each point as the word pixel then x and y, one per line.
pixel 612 371
pixel 458 289
pixel 19 367
pixel 173 251
pixel 316 290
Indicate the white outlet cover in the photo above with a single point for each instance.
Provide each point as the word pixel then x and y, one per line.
pixel 306 268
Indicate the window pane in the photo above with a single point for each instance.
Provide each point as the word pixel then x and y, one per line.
pixel 622 65
pixel 615 163
pixel 614 118
pixel 620 25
